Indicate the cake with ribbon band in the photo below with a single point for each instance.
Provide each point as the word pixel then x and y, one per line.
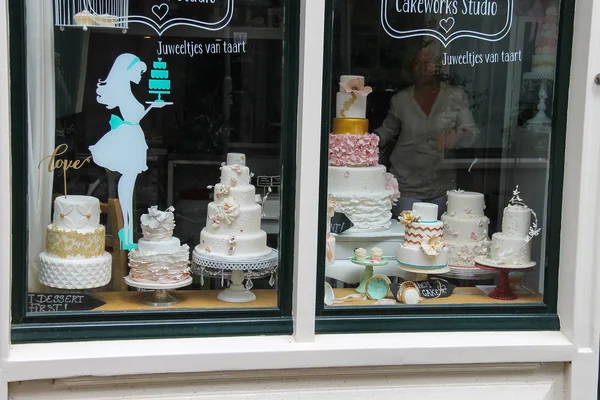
pixel 233 220
pixel 160 257
pixel 361 188
pixel 423 248
pixel 465 229
pixel 75 256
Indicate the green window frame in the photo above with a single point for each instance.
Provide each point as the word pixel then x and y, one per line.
pixel 61 326
pixel 470 317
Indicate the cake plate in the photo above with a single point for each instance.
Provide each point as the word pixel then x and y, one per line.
pixel 159 295
pixel 235 271
pixel 503 290
pixel 368 271
pixel 420 270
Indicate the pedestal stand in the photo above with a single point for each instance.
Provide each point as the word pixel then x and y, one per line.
pixel 503 290
pixel 368 271
pixel 235 271
pixel 540 118
pixel 159 295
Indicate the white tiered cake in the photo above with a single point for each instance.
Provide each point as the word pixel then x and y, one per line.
pixel 160 257
pixel 75 256
pixel 233 222
pixel 423 249
pixel 465 229
pixel 512 246
pixel 361 188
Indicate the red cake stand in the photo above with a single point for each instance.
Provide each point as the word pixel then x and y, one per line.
pixel 503 290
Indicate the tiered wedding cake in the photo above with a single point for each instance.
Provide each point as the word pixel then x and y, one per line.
pixel 361 188
pixel 512 246
pixel 465 229
pixel 233 222
pixel 423 249
pixel 544 59
pixel 75 256
pixel 160 257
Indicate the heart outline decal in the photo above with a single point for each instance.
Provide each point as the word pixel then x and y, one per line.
pixel 447 24
pixel 157 10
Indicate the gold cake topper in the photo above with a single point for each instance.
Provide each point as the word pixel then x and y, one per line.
pixel 64 165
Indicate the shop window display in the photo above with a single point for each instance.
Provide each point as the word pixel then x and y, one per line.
pixel 438 153
pixel 161 185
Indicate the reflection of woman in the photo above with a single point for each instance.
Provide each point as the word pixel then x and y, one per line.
pixel 424 120
pixel 123 149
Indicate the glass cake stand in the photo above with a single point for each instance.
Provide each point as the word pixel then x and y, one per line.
pixel 159 295
pixel 235 271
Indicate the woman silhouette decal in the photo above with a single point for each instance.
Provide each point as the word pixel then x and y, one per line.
pixel 124 147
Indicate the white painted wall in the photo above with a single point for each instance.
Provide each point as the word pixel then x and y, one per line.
pixel 491 382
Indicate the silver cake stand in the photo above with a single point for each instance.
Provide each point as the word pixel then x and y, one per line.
pixel 235 271
pixel 159 295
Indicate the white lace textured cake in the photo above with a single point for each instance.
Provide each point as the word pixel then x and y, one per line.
pixel 465 228
pixel 233 222
pixel 160 257
pixel 75 256
pixel 360 187
pixel 423 238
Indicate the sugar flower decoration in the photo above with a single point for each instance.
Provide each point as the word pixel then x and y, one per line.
pixel 236 168
pixel 356 86
pixel 215 221
pixel 228 210
pixel 473 236
pixel 407 216
pixel 233 181
pixel 154 217
pixel 330 207
pixel 432 245
pixel 391 184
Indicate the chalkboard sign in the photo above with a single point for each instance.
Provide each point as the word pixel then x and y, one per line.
pixel 340 223
pixel 435 288
pixel 277 181
pixel 52 302
pixel 264 181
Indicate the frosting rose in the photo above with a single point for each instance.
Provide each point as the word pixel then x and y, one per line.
pixel 353 150
pixel 356 86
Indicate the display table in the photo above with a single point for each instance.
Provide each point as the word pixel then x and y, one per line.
pixel 118 301
pixel 461 295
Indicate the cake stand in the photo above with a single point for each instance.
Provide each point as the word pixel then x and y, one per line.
pixel 235 270
pixel 503 290
pixel 159 295
pixel 423 270
pixel 368 270
pixel 540 119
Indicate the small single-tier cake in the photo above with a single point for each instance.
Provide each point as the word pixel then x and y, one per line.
pixel 465 229
pixel 233 222
pixel 423 246
pixel 160 257
pixel 75 256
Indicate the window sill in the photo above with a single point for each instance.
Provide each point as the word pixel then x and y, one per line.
pixel 61 360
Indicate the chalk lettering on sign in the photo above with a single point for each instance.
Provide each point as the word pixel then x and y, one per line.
pixel 264 181
pixel 54 302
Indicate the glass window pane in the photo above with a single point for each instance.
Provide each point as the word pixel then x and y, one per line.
pixel 439 151
pixel 160 184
